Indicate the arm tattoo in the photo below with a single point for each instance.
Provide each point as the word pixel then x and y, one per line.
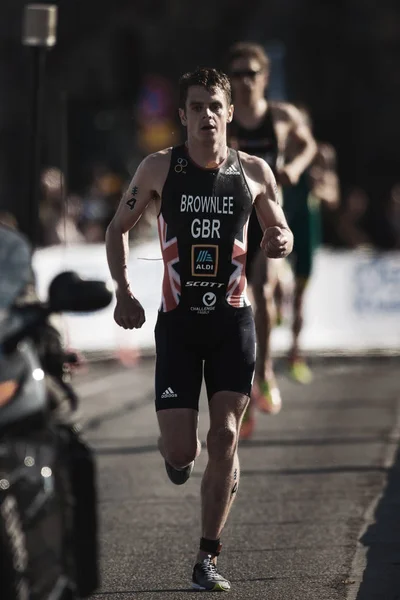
pixel 276 191
pixel 132 201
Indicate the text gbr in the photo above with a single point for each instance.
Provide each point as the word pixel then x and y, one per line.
pixel 206 228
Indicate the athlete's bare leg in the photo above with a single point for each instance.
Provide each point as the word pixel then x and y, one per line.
pixel 297 325
pixel 221 476
pixel 278 299
pixel 262 292
pixel 265 278
pixel 179 444
pixel 298 367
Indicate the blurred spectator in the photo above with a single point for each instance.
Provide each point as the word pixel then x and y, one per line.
pixel 93 232
pixel 95 210
pixel 351 222
pixel 84 220
pixel 67 227
pixel 147 226
pixel 58 223
pixel 100 202
pixel 379 221
pixel 8 219
pixel 323 176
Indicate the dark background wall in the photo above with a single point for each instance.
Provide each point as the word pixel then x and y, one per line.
pixel 341 59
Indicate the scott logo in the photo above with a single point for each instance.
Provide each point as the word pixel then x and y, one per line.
pixel 204 261
pixel 209 299
pixel 204 284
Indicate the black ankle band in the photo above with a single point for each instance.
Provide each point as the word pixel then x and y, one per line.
pixel 213 547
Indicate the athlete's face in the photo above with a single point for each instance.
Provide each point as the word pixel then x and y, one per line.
pixel 206 114
pixel 249 79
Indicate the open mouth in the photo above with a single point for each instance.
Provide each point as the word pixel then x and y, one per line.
pixel 208 128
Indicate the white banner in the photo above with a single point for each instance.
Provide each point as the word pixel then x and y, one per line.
pixel 352 302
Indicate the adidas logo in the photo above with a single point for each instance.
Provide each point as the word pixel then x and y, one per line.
pixel 169 393
pixel 232 170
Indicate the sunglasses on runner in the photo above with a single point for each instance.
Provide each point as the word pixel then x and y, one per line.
pixel 245 73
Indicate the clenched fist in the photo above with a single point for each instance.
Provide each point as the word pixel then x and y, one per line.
pixel 277 242
pixel 128 313
pixel 287 177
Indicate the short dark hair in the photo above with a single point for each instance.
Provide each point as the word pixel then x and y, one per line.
pixel 210 79
pixel 247 50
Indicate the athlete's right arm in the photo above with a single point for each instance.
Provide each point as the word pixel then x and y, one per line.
pixel 277 239
pixel 146 185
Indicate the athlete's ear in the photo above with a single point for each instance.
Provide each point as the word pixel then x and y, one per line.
pixel 182 116
pixel 230 113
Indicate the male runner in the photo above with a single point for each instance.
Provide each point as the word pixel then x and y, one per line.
pixel 204 192
pixel 264 128
pixel 318 184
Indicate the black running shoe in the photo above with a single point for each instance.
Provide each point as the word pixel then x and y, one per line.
pixel 206 577
pixel 179 476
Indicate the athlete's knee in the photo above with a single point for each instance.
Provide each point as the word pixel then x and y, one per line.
pixel 263 293
pixel 222 442
pixel 301 283
pixel 180 457
pixel 180 454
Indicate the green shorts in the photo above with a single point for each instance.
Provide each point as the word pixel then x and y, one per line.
pixel 303 216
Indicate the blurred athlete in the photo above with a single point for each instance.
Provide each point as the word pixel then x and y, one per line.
pixel 318 185
pixel 265 129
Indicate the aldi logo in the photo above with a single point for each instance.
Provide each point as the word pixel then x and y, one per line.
pixel 204 256
pixel 204 261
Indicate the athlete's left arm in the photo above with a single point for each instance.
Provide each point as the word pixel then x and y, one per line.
pixel 303 135
pixel 277 240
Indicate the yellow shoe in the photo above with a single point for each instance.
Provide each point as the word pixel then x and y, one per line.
pixel 267 397
pixel 300 372
pixel 247 428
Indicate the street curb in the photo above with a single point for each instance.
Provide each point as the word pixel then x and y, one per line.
pixel 360 559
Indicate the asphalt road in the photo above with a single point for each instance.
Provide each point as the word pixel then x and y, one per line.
pixel 317 512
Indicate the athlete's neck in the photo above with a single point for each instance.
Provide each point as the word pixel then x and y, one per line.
pixel 208 156
pixel 251 113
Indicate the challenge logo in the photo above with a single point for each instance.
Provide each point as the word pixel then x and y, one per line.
pixel 204 261
pixel 209 299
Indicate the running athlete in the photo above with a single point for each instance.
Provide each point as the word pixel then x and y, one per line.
pixel 204 192
pixel 318 185
pixel 264 128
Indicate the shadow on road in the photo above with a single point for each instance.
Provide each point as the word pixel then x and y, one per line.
pixel 315 471
pixel 279 443
pixel 128 407
pixel 126 450
pixel 309 471
pixel 381 577
pixel 139 591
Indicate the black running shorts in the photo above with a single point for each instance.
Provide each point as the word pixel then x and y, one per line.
pixel 222 345
pixel 254 238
